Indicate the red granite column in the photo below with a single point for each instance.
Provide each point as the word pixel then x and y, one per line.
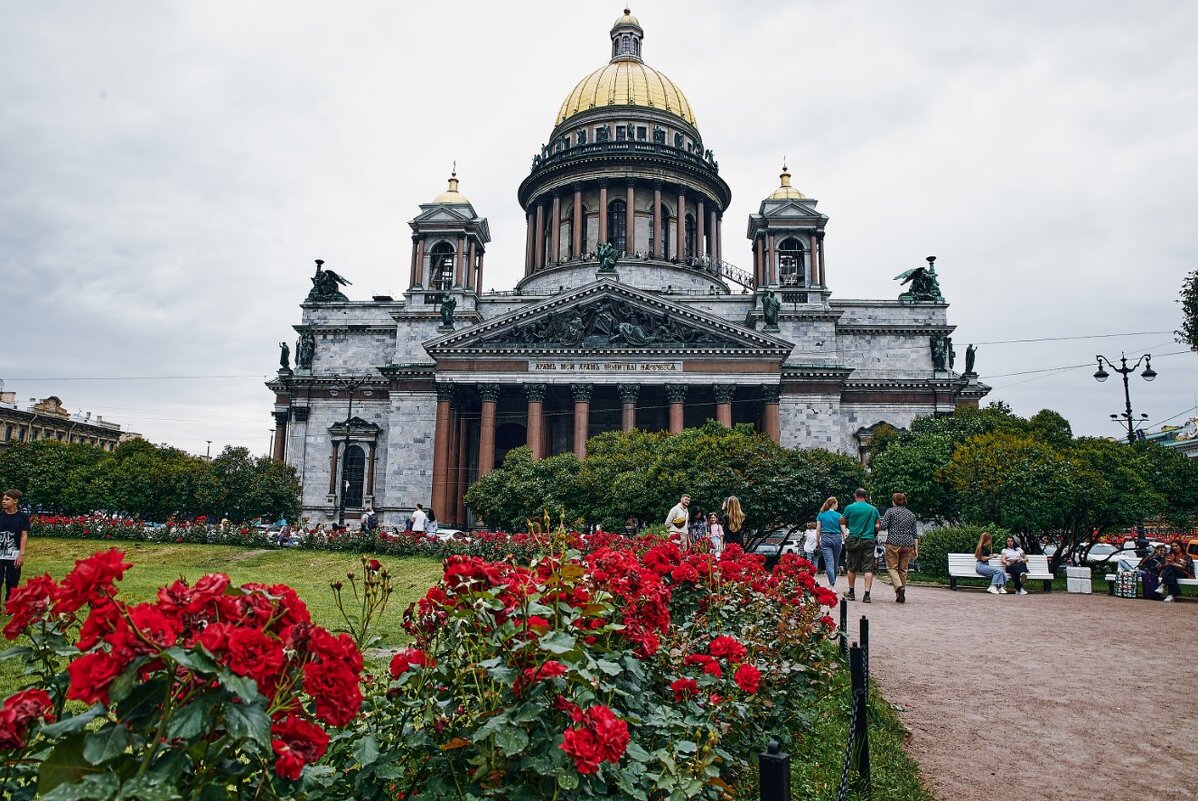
pixel 719 237
pixel 628 397
pixel 538 247
pixel 814 264
pixel 630 218
pixel 723 402
pixel 489 393
pixel 459 267
pixel 478 277
pixel 771 262
pixel 374 449
pixel 759 262
pixel 441 447
pixel 657 249
pixel 412 278
pixel 712 233
pixel 823 276
pixel 528 251
pixel 582 417
pixel 576 226
pixel 555 237
pixel 771 420
pixel 280 450
pixel 602 211
pixel 332 466
pixel 701 248
pixel 419 263
pixel 680 229
pixel 470 269
pixel 534 427
pixel 676 395
pixel 451 474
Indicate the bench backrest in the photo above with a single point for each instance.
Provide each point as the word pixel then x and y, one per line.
pixel 965 563
pixel 1037 563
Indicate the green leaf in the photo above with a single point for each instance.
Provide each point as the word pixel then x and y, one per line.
pixel 610 668
pixel 74 723
pixel 101 746
pixel 192 660
pixel 567 780
pixel 95 787
pixel 149 788
pixel 245 688
pixel 66 765
pixel 557 642
pixel 191 720
pixel 634 751
pixel 511 740
pixel 366 751
pixel 247 721
pixel 686 747
pixel 15 651
pixel 123 684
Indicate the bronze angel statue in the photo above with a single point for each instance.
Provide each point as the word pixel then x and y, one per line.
pixel 325 285
pixel 925 284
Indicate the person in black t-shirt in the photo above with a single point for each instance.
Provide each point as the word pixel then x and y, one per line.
pixel 14 533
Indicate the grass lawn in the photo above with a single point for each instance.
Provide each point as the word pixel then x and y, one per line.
pixel 309 572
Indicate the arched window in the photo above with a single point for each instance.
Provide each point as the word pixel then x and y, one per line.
pixel 441 267
pixel 790 263
pixel 617 225
pixel 690 237
pixel 353 475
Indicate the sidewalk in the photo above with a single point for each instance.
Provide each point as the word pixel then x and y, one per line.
pixel 1051 697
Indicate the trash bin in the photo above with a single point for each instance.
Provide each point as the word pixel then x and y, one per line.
pixel 1077 579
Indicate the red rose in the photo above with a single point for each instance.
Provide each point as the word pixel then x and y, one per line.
pixel 403 661
pixel 296 742
pixel 18 712
pixel 28 604
pixel 91 674
pixel 747 678
pixel 728 648
pixel 684 688
pixel 602 737
pixel 581 746
pixel 341 648
pixel 550 670
pixel 685 574
pixel 374 565
pixel 91 580
pixel 334 689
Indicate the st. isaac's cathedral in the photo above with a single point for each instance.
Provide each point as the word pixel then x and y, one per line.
pixel 627 317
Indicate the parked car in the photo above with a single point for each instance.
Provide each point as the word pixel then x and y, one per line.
pixel 774 542
pixel 1108 556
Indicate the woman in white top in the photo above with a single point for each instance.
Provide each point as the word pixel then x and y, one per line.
pixel 715 533
pixel 811 541
pixel 1015 563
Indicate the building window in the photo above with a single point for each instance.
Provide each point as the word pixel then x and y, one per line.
pixel 353 476
pixel 617 221
pixel 621 133
pixel 790 263
pixel 690 236
pixel 641 133
pixel 441 262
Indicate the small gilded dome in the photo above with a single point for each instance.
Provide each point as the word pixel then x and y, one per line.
pixel 452 196
pixel 626 83
pixel 627 19
pixel 786 191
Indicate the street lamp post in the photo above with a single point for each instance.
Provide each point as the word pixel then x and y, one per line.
pixel 1127 418
pixel 208 452
pixel 349 385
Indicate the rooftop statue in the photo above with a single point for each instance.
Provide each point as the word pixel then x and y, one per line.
pixel 284 356
pixel 925 285
pixel 770 306
pixel 325 286
pixel 607 257
pixel 305 350
pixel 971 354
pixel 448 305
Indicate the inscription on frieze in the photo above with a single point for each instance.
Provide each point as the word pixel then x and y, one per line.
pixel 587 366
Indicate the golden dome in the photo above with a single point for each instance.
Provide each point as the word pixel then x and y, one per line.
pixel 627 19
pixel 786 191
pixel 451 195
pixel 626 83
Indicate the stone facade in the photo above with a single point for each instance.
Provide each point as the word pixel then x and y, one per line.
pixel 399 402
pixel 49 419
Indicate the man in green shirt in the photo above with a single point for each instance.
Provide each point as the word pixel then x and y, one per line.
pixel 861 517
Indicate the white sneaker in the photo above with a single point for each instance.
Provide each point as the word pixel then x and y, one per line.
pixel 1002 590
pixel 1167 598
pixel 992 590
pixel 1022 592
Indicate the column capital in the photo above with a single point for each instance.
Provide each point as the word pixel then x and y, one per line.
pixel 300 413
pixel 629 392
pixel 280 418
pixel 723 392
pixel 535 392
pixel 772 393
pixel 582 392
pixel 488 392
pixel 630 183
pixel 576 186
pixel 676 393
pixel 445 391
pixel 602 182
pixel 658 184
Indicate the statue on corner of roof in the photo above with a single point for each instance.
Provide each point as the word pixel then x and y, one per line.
pixel 940 348
pixel 971 354
pixel 325 286
pixel 284 355
pixel 305 350
pixel 607 257
pixel 770 306
pixel 448 305
pixel 925 284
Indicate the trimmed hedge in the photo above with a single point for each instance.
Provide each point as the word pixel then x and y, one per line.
pixel 937 544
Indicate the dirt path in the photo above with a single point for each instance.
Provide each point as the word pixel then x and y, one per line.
pixel 1084 701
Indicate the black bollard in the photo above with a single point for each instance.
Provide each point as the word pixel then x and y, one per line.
pixel 774 773
pixel 844 627
pixel 860 731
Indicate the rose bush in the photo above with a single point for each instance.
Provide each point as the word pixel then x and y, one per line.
pixel 210 691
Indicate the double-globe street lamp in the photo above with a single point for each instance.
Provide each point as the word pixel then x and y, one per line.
pixel 349 385
pixel 1126 417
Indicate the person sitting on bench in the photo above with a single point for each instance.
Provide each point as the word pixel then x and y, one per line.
pixel 1014 561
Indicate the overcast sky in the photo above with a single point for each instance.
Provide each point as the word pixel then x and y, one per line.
pixel 169 171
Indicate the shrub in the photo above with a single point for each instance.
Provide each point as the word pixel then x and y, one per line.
pixel 937 544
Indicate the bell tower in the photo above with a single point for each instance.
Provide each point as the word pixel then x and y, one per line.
pixel 449 242
pixel 788 244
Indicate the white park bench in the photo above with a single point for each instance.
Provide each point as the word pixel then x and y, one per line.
pixel 963 565
pixel 1185 582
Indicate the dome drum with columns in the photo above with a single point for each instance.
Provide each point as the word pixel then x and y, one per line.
pixel 398 402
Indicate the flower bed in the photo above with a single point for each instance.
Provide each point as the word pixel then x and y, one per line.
pixel 604 666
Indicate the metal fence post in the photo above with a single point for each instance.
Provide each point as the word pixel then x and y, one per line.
pixel 774 774
pixel 860 733
pixel 864 640
pixel 844 626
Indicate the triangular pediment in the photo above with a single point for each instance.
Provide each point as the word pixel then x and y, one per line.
pixel 607 317
pixel 791 209
pixel 445 214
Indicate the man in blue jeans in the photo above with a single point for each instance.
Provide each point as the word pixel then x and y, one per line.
pixel 861 517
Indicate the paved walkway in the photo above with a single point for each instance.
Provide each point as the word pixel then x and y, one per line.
pixel 1044 696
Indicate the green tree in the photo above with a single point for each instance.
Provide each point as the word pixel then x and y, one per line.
pixel 916 466
pixel 250 487
pixel 1188 333
pixel 522 489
